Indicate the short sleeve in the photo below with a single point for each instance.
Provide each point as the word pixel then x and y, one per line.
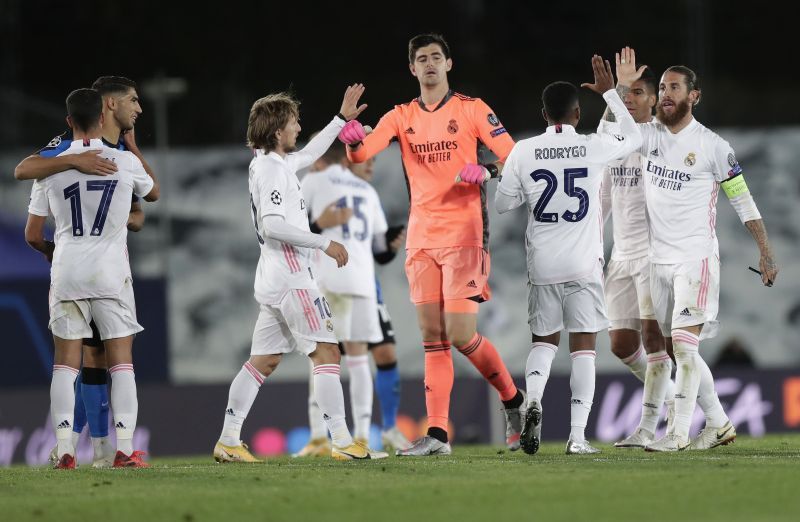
pixel 490 131
pixel 39 206
pixel 724 164
pixel 273 185
pixel 142 182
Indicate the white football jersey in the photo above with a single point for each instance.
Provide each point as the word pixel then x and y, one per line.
pixel 337 184
pixel 558 174
pixel 682 173
pixel 623 185
pixel 91 223
pixel 275 190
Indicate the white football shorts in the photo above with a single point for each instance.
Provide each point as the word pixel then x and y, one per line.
pixel 300 321
pixel 577 306
pixel 114 316
pixel 686 294
pixel 354 318
pixel 628 293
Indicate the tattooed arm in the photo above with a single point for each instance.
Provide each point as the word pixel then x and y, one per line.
pixel 767 265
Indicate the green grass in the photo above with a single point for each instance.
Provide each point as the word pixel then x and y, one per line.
pixel 752 480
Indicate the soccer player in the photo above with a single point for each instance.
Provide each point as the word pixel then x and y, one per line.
pixel 352 291
pixel 558 175
pixel 121 109
pixel 684 167
pixel 91 278
pixel 447 256
pixel 635 335
pixel 294 315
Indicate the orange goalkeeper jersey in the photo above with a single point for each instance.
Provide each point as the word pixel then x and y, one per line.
pixel 436 142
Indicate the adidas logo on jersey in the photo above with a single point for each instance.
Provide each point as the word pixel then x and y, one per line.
pixel 654 152
pixel 472 284
pixel 64 424
pixel 686 313
pixel 410 130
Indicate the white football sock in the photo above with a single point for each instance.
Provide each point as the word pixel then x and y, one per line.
pixel 581 382
pixel 360 394
pixel 62 406
pixel 687 380
pixel 637 363
pixel 537 369
pixel 102 447
pixel 656 384
pixel 328 391
pixel 315 421
pixel 708 399
pixel 124 405
pixel 241 396
pixel 75 438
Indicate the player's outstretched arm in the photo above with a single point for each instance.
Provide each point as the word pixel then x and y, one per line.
pixel 34 236
pixel 40 167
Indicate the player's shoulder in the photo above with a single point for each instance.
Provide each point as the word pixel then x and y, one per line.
pixel 56 145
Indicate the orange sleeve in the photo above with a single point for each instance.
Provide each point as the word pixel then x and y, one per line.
pixel 490 131
pixel 380 138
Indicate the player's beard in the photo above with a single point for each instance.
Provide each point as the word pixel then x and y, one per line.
pixel 681 110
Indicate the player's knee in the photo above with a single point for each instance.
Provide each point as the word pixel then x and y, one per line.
pixel 326 353
pixel 265 364
pixel 622 350
pixel 384 354
pixel 653 340
pixel 460 338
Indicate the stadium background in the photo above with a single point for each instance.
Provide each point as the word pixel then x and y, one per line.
pixel 199 70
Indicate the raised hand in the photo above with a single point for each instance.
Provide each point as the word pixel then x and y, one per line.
pixel 90 162
pixel 350 108
pixel 338 252
pixel 627 73
pixel 603 77
pixel 129 139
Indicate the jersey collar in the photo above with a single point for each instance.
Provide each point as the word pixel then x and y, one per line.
pixel 87 143
pixel 561 128
pixel 439 106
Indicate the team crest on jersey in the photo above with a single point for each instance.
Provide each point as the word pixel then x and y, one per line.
pixel 493 121
pixel 452 127
pixel 276 197
pixel 690 159
pixel 55 142
pixel 329 325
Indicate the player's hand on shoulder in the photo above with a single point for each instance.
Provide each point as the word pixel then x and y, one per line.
pixel 129 139
pixel 90 162
pixel 350 108
pixel 603 77
pixel 338 252
pixel 473 173
pixel 334 216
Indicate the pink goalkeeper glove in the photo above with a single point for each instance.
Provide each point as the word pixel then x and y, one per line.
pixel 472 173
pixel 352 133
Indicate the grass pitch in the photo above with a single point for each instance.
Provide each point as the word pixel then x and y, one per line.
pixel 752 480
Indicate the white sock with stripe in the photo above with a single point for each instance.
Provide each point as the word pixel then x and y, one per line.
pixel 707 397
pixel 330 398
pixel 687 380
pixel 581 382
pixel 124 405
pixel 537 369
pixel 241 396
pixel 637 363
pixel 360 394
pixel 656 386
pixel 62 406
pixel 315 421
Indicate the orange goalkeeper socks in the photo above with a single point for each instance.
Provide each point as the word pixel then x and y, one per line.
pixel 438 382
pixel 483 355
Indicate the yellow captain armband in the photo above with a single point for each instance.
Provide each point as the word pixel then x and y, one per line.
pixel 735 186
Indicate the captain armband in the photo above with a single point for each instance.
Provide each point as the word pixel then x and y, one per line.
pixel 741 199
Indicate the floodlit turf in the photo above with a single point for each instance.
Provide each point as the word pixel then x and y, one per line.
pixel 752 480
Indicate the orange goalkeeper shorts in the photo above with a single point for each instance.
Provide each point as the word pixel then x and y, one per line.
pixel 447 274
